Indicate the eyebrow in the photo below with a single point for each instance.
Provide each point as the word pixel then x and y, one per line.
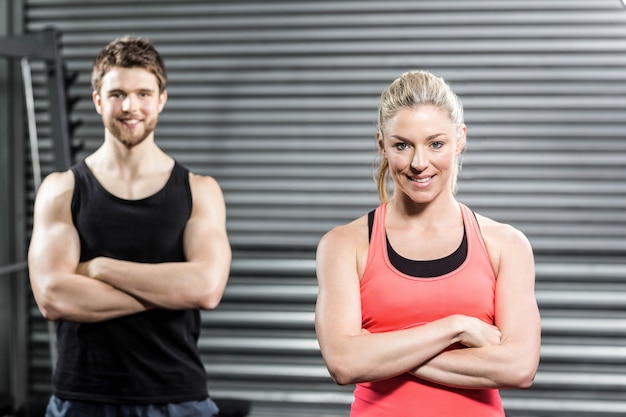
pixel 431 137
pixel 139 90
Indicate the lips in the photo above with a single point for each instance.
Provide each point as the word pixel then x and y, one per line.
pixel 130 122
pixel 420 180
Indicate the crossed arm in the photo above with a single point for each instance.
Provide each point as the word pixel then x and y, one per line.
pixel 505 355
pixel 105 288
pixel 513 361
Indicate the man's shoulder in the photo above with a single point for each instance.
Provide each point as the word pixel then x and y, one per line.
pixel 55 193
pixel 57 183
pixel 203 182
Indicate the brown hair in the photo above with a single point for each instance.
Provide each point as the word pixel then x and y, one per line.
pixel 128 52
pixel 413 89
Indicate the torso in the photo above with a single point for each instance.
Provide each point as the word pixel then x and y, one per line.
pixel 392 299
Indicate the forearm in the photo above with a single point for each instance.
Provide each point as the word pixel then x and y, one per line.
pixel 77 298
pixel 498 366
pixel 172 285
pixel 372 356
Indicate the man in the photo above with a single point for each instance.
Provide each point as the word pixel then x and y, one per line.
pixel 127 247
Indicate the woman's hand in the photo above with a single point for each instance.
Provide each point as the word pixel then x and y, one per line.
pixel 477 333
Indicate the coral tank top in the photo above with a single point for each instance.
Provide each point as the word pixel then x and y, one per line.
pixel 392 300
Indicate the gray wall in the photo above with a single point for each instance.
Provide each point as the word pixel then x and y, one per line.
pixel 5 215
pixel 278 99
pixel 13 286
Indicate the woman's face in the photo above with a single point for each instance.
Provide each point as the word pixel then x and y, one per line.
pixel 421 145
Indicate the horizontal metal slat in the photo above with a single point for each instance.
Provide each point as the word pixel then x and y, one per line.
pixel 259 319
pixel 591 271
pixel 580 299
pixel 584 326
pixel 581 353
pixel 271 292
pixel 260 345
pixel 565 407
pixel 270 372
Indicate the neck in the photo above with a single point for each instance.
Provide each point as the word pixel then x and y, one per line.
pixel 132 162
pixel 444 206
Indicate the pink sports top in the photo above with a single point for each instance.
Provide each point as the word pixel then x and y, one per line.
pixel 392 300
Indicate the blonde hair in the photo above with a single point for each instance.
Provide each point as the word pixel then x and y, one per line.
pixel 413 89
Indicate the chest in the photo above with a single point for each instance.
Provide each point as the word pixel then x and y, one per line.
pixel 392 300
pixel 134 188
pixel 145 230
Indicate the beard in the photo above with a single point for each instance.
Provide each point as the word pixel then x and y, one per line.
pixel 130 139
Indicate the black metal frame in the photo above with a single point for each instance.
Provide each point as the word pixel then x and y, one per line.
pixel 46 46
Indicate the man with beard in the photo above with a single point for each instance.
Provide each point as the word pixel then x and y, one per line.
pixel 127 247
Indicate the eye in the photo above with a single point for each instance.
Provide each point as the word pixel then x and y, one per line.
pixel 400 146
pixel 436 145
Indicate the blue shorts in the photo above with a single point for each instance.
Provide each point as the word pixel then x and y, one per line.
pixel 66 408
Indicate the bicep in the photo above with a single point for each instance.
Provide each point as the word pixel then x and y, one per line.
pixel 55 245
pixel 517 314
pixel 205 236
pixel 338 306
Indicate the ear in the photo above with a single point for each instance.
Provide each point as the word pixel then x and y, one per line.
pixel 380 143
pixel 97 101
pixel 461 141
pixel 162 100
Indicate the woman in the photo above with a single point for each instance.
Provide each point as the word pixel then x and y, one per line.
pixel 427 307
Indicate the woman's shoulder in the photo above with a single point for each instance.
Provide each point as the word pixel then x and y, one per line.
pixel 497 230
pixel 351 234
pixel 502 239
pixel 345 247
pixel 349 231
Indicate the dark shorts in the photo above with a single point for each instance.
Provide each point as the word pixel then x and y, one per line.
pixel 64 408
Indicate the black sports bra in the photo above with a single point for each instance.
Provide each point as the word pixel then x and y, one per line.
pixel 424 269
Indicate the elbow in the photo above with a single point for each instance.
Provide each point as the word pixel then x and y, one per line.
pixel 210 301
pixel 341 376
pixel 206 299
pixel 47 307
pixel 46 311
pixel 211 295
pixel 527 372
pixel 49 302
pixel 343 372
pixel 50 314
pixel 208 292
pixel 45 292
pixel 525 380
pixel 522 378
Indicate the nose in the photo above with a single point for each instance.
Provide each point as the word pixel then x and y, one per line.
pixel 419 161
pixel 127 104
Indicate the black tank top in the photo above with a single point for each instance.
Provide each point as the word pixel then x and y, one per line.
pixel 145 358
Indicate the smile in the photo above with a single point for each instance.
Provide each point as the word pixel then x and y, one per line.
pixel 420 180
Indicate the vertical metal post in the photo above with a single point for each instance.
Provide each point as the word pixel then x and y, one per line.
pixel 43 46
pixel 58 104
pixel 32 122
pixel 36 166
pixel 14 286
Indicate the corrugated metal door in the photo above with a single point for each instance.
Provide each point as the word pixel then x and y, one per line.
pixel 277 100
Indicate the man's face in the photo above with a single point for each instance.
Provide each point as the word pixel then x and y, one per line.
pixel 129 102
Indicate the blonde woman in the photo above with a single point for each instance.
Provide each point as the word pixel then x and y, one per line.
pixel 428 307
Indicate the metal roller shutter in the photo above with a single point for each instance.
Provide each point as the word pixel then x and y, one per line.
pixel 277 100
